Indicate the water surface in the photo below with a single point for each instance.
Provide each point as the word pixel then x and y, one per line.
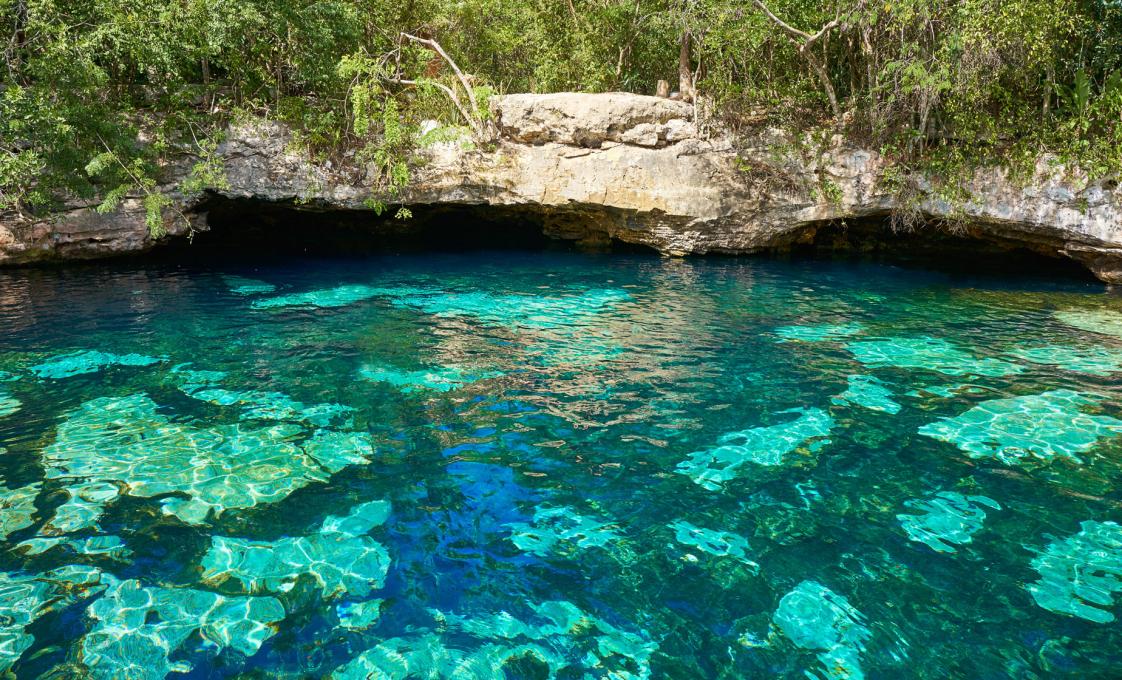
pixel 555 465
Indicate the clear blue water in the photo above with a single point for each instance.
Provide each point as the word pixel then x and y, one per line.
pixel 522 465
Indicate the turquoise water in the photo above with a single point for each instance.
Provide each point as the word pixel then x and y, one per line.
pixel 522 465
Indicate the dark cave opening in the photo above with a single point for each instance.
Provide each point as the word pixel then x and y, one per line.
pixel 957 249
pixel 263 228
pixel 249 228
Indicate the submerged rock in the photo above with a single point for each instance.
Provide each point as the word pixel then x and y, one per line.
pixel 81 510
pixel 557 637
pixel 89 546
pixel 947 519
pixel 1080 574
pixel 257 404
pixel 17 506
pixel 24 598
pixel 718 543
pixel 868 392
pixel 822 333
pixel 816 618
pixel 8 404
pixel 340 557
pixel 239 285
pixel 927 353
pixel 767 446
pixel 277 406
pixel 358 615
pixel 137 628
pixel 1102 321
pixel 1032 428
pixel 1093 360
pixel 442 379
pixel 507 310
pixel 126 441
pixel 340 296
pixel 951 391
pixel 561 530
pixel 518 311
pixel 79 363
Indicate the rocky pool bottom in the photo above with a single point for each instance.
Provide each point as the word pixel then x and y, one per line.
pixel 532 465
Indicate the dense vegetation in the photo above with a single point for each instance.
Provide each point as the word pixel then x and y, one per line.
pixel 94 94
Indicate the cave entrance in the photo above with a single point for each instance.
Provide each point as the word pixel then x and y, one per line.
pixel 263 228
pixel 241 228
pixel 935 246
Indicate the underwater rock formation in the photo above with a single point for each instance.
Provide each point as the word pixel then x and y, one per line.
pixel 1101 321
pixel 79 363
pixel 561 530
pixel 821 333
pixel 8 404
pixel 24 598
pixel 948 519
pixel 816 618
pixel 767 446
pixel 930 354
pixel 1080 574
pixel 868 392
pixel 16 506
pixel 339 557
pixel 439 379
pixel 240 285
pixel 1032 429
pixel 557 639
pixel 713 542
pixel 127 441
pixel 638 169
pixel 1093 360
pixel 137 628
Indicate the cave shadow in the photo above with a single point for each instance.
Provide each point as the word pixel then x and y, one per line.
pixel 253 230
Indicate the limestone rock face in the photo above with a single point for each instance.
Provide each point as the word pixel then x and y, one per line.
pixel 594 167
pixel 590 120
pixel 81 233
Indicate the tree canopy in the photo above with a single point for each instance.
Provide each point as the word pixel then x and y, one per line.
pixel 94 94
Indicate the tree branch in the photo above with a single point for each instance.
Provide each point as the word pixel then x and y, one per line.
pixel 471 121
pixel 805 41
pixel 794 32
pixel 435 46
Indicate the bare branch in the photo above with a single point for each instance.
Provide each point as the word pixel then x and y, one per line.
pixel 783 24
pixel 831 25
pixel 805 41
pixel 435 46
pixel 471 121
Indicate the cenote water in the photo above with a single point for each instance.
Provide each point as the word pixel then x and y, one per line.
pixel 531 465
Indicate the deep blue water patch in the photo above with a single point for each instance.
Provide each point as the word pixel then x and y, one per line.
pixel 556 465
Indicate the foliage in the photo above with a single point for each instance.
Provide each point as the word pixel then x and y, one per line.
pixel 119 88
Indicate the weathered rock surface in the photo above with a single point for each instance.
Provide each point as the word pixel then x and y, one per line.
pixel 591 120
pixel 633 168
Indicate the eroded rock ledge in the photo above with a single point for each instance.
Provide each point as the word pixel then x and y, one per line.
pixel 619 166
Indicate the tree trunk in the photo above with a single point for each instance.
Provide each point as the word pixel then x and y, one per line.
pixel 824 78
pixel 806 42
pixel 1046 108
pixel 685 73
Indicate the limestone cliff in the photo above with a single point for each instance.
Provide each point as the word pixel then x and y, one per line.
pixel 627 167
